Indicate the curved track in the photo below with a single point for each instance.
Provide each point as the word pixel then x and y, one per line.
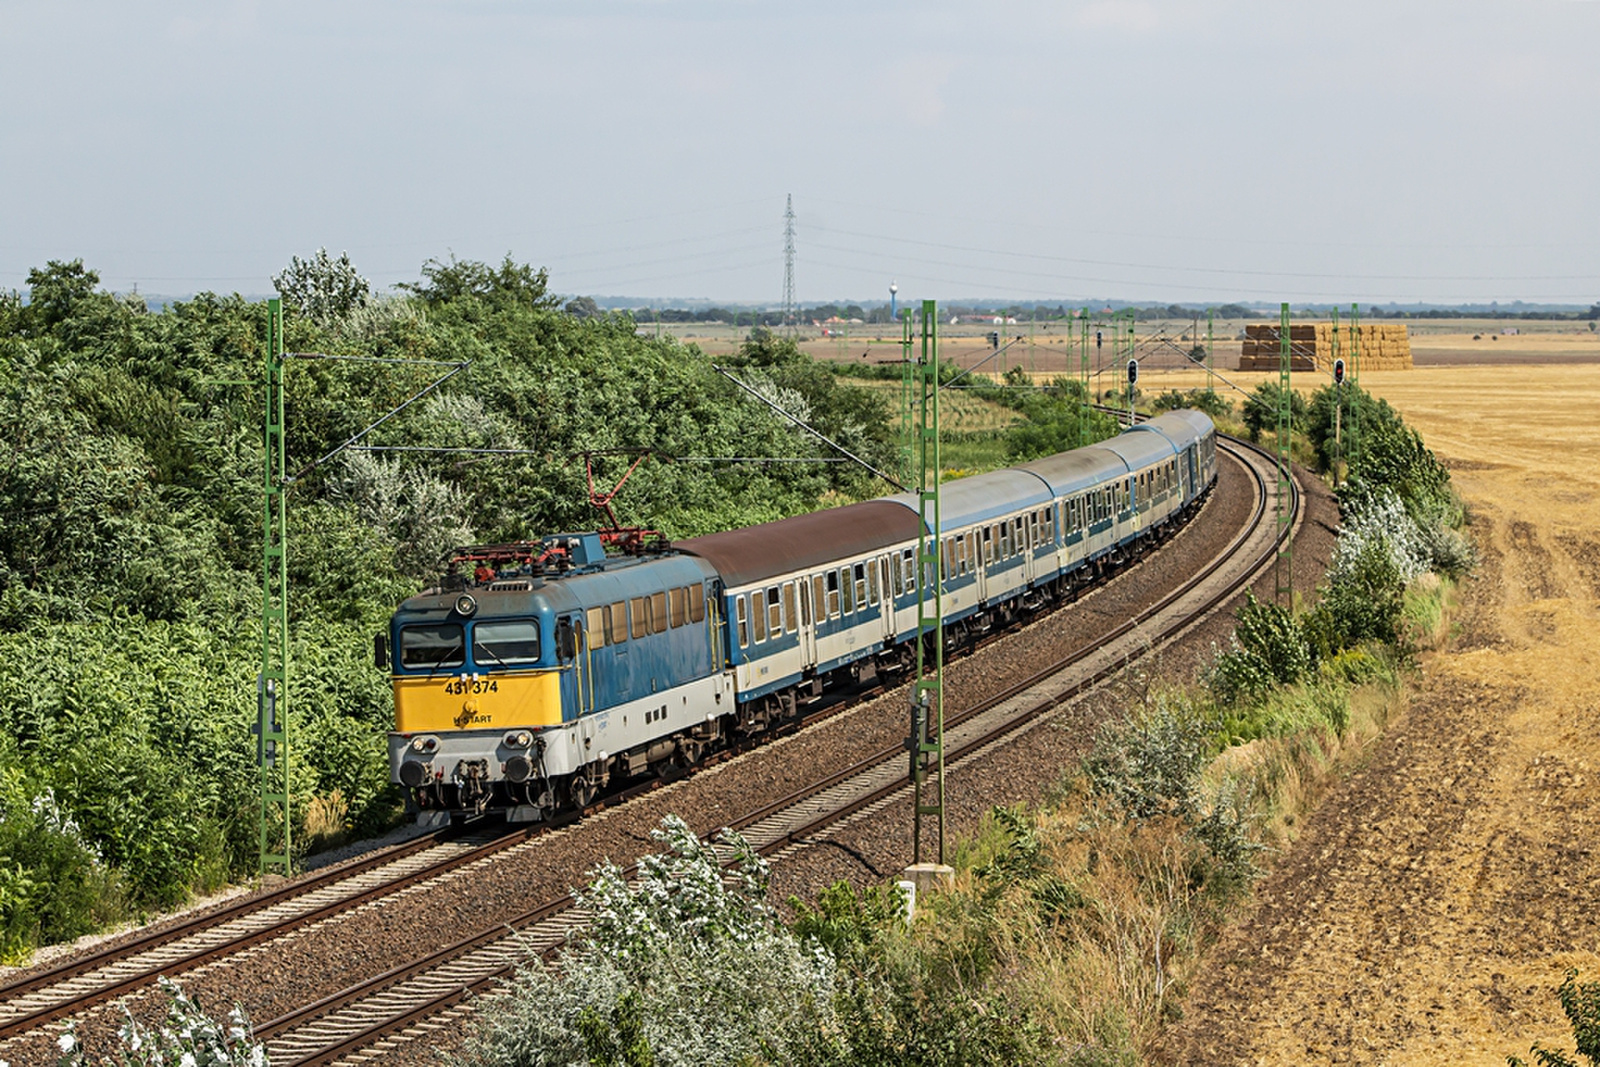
pixel 405 999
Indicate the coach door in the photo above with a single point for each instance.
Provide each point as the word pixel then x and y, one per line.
pixel 808 622
pixel 885 597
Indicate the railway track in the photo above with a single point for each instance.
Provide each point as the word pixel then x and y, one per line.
pixel 414 998
pixel 372 1018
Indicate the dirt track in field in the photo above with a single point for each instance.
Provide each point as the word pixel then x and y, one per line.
pixel 1431 905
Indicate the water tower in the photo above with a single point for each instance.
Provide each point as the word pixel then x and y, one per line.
pixel 894 287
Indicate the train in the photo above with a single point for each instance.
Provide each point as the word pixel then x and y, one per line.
pixel 537 674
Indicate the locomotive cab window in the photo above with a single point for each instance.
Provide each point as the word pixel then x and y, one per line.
pixel 658 612
pixel 640 616
pixel 432 647
pixel 505 644
pixel 678 608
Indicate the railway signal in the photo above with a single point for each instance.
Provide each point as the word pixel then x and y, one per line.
pixel 1133 380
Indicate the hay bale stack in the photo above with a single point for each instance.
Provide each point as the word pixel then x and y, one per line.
pixel 1383 346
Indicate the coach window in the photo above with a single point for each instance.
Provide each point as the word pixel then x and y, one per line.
pixel 988 544
pixel 908 560
pixel 833 594
pixel 861 585
pixel 897 578
pixel 758 617
pixel 950 557
pixel 774 611
pixel 677 606
pixel 789 608
pixel 744 625
pixel 847 590
pixel 872 581
pixel 697 602
pixel 497 644
pixel 432 647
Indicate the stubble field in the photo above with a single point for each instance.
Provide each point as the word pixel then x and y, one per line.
pixel 1434 901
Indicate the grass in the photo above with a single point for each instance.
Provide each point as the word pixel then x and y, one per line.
pixel 1097 920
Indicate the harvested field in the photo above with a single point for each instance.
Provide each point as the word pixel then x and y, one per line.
pixel 1431 905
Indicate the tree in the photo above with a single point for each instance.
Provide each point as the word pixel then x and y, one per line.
pixel 511 284
pixel 54 290
pixel 583 307
pixel 323 289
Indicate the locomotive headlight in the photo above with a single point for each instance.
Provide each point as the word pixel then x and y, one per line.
pixel 518 739
pixel 465 605
pixel 425 745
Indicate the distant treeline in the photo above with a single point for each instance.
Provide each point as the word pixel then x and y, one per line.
pixel 879 314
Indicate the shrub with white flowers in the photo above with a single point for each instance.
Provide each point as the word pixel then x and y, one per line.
pixel 685 965
pixel 189 1038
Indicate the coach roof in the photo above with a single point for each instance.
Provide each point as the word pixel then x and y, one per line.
pixel 748 556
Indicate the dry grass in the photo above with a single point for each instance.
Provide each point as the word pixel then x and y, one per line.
pixel 327 822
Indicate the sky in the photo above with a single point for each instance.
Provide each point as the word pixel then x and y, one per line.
pixel 1186 151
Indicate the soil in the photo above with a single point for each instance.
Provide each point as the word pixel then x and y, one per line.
pixel 1434 901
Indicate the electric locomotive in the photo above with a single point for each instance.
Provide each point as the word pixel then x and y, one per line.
pixel 526 683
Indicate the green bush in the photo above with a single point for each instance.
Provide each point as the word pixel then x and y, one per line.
pixel 1211 402
pixel 1580 1002
pixel 1268 649
pixel 1260 411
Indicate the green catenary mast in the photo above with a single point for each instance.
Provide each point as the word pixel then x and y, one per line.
pixel 272 720
pixel 927 692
